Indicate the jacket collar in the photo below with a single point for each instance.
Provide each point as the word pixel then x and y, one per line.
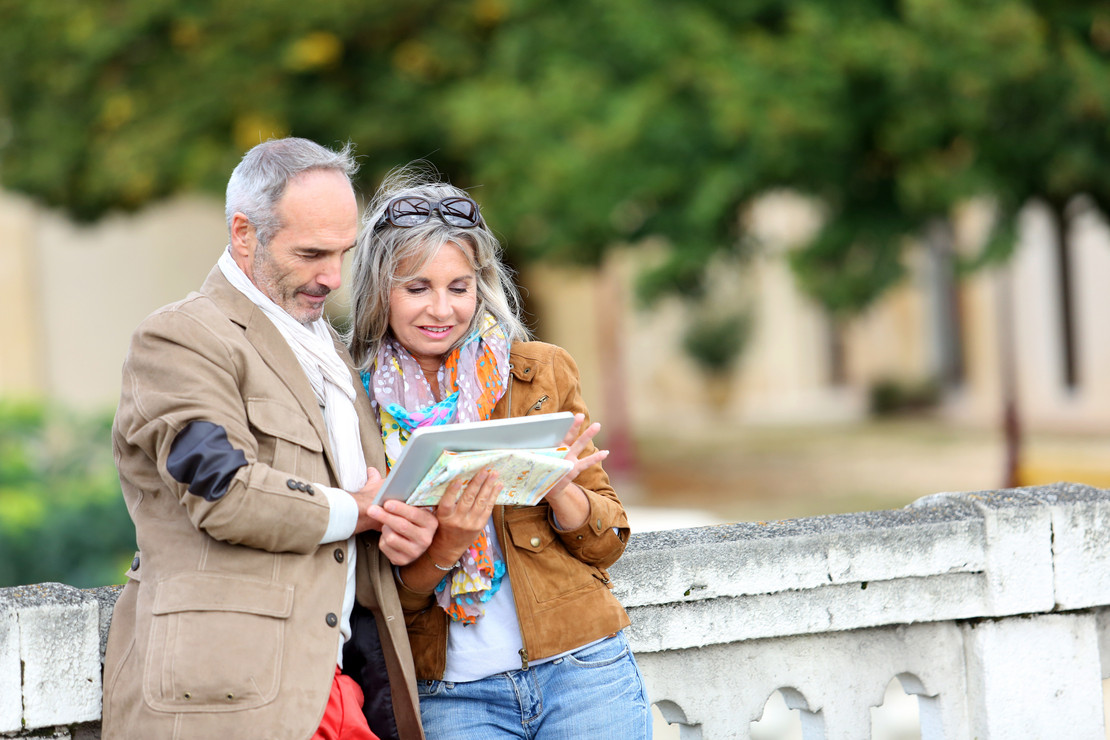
pixel 522 368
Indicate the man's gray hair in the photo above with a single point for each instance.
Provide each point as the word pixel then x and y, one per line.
pixel 259 180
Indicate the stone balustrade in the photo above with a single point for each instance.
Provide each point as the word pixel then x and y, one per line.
pixel 990 607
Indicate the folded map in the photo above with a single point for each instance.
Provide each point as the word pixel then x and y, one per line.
pixel 525 475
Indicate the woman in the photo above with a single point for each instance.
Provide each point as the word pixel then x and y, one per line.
pixel 513 628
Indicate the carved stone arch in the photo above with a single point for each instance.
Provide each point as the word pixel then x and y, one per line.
pixel 676 715
pixel 812 721
pixel 928 703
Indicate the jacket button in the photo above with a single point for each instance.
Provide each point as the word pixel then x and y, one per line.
pixel 135 562
pixel 534 542
pixel 338 555
pixel 292 484
pixel 331 619
pixel 309 491
pixel 598 525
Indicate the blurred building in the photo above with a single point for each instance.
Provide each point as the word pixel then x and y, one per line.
pixel 1031 329
pixel 72 294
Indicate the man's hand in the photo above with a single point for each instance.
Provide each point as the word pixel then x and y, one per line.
pixel 364 497
pixel 406 530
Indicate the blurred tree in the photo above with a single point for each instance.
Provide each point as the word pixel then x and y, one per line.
pixel 586 123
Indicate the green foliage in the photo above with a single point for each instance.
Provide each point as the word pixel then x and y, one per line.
pixel 583 124
pixel 891 397
pixel 716 343
pixel 62 517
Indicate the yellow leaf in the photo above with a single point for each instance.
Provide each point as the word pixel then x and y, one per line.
pixel 313 51
pixel 118 109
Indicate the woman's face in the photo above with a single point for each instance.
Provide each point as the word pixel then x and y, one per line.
pixel 431 312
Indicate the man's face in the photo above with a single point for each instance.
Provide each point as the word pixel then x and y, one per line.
pixel 304 260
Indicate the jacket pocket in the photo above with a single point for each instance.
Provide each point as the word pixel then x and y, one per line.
pixel 546 566
pixel 216 643
pixel 282 432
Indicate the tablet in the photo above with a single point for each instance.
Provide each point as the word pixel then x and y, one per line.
pixel 427 443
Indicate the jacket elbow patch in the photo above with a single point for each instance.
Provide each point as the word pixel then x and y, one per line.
pixel 202 458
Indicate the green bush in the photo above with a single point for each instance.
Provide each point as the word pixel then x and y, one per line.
pixel 62 517
pixel 716 343
pixel 891 397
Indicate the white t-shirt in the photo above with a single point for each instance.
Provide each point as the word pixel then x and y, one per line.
pixel 493 643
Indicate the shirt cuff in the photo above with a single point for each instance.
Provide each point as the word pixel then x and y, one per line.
pixel 342 515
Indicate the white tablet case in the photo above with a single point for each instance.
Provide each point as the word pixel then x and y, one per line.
pixel 426 444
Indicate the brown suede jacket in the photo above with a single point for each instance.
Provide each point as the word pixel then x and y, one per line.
pixel 559 579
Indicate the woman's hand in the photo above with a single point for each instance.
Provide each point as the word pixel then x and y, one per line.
pixel 568 501
pixel 462 515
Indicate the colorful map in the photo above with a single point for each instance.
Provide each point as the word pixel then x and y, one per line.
pixel 526 475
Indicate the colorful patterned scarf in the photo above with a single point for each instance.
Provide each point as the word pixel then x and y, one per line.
pixel 475 374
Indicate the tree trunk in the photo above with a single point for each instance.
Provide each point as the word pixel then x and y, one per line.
pixel 1007 363
pixel 616 421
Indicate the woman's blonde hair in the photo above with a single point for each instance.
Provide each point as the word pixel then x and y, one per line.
pixel 379 254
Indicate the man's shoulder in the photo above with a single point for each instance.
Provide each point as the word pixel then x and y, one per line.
pixel 193 308
pixel 213 302
pixel 194 321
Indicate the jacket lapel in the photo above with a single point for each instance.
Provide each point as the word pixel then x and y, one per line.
pixel 274 351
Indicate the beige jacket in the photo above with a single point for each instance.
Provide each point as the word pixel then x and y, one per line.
pixel 559 579
pixel 228 624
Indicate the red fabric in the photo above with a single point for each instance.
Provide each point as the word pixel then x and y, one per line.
pixel 343 718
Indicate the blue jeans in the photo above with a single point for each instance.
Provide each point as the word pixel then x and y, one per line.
pixel 596 692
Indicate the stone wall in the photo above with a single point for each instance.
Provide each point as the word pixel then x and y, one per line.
pixel 990 607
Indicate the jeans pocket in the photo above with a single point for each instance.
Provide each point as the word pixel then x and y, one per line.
pixel 608 651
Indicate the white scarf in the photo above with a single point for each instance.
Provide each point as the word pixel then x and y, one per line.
pixel 328 374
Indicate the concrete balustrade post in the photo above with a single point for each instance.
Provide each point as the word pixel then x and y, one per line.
pixel 1036 676
pixel 11 678
pixel 55 634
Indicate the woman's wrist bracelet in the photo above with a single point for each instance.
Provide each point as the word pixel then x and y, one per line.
pixel 448 569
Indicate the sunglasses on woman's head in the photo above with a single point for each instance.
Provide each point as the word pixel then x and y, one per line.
pixel 412 210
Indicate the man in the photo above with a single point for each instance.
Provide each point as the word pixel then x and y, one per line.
pixel 249 459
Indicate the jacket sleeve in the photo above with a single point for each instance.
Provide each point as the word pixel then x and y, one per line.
pixel 183 407
pixel 601 540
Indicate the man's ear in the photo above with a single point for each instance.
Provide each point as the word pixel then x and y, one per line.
pixel 243 240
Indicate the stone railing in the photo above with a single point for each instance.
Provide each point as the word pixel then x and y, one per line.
pixel 990 607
